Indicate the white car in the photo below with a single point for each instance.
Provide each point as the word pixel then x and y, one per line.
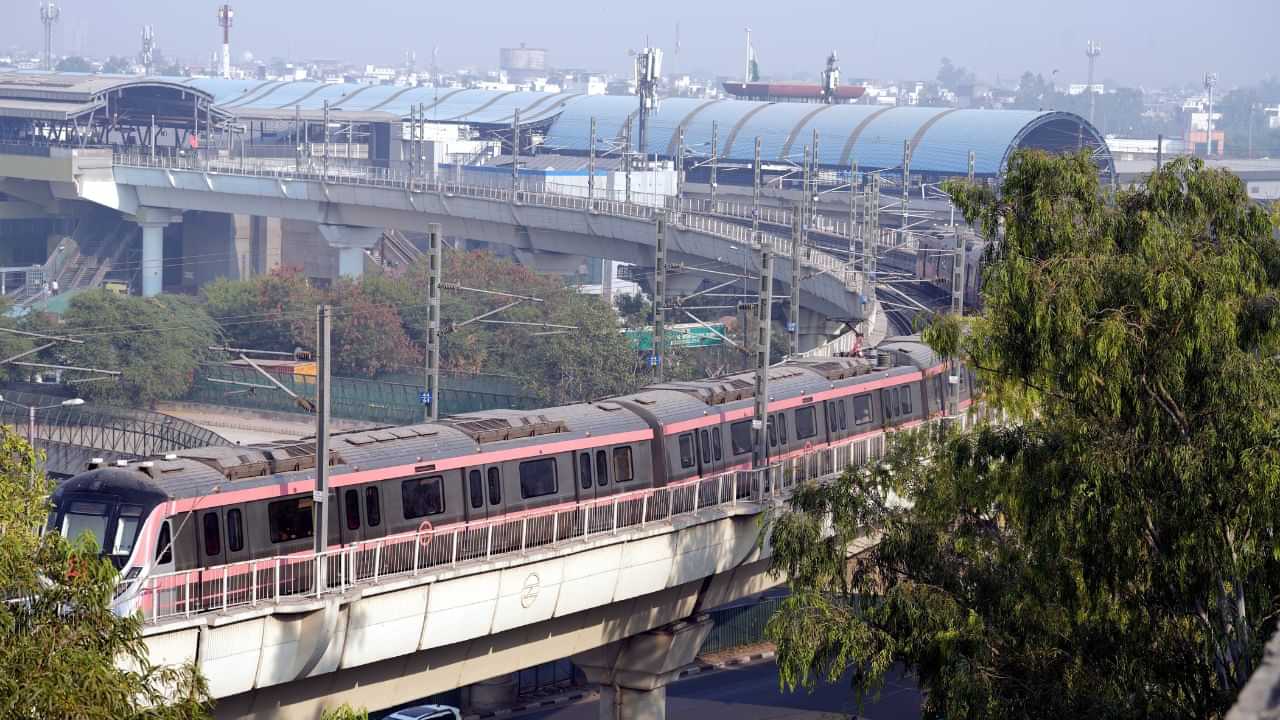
pixel 426 712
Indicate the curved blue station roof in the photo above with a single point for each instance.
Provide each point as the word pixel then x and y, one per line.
pixel 873 136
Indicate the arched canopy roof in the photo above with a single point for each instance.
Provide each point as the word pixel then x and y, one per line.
pixel 873 136
pixel 29 95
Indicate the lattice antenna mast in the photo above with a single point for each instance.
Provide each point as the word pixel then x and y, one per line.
pixel 148 48
pixel 648 73
pixel 831 78
pixel 225 15
pixel 49 14
pixel 1092 51
pixel 1210 82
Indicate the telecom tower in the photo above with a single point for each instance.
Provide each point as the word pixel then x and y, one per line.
pixel 1210 82
pixel 224 21
pixel 831 78
pixel 648 72
pixel 1091 51
pixel 48 16
pixel 148 48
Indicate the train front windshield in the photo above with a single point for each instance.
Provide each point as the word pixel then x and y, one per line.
pixel 113 527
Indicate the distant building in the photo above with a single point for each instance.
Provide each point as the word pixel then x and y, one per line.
pixel 1273 117
pixel 523 63
pixel 1082 88
pixel 1144 148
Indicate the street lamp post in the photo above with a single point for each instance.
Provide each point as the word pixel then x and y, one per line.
pixel 31 413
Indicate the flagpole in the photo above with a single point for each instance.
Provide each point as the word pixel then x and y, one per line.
pixel 746 77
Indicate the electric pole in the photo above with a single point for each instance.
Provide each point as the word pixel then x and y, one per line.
pixel 320 496
pixel 591 168
pixel 626 159
pixel 1210 82
pixel 1092 51
pixel 515 152
pixel 906 182
pixel 435 268
pixel 660 296
pixel 764 313
pixel 715 160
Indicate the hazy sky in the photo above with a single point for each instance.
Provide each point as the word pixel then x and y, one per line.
pixel 1146 42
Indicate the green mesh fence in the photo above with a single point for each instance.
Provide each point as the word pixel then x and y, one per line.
pixel 393 403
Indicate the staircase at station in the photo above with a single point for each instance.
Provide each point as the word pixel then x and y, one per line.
pixel 394 250
pixel 101 241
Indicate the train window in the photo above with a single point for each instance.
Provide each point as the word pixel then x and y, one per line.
pixel 495 485
pixel 372 506
pixel 862 409
pixel 290 519
pixel 86 517
pixel 212 534
pixel 706 447
pixel 235 530
pixel 622 468
pixel 475 489
pixel 888 402
pixel 715 443
pixel 602 468
pixel 422 496
pixel 844 418
pixel 126 529
pixel 772 431
pixel 833 424
pixel 584 470
pixel 806 423
pixel 351 506
pixel 538 478
pixel 740 437
pixel 782 428
pixel 906 400
pixel 686 450
pixel 164 545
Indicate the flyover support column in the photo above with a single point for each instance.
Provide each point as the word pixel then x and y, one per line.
pixel 351 243
pixel 153 222
pixel 633 673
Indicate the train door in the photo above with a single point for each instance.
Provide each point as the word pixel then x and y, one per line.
pixel 371 501
pixel 604 474
pixel 235 547
pixel 210 539
pixel 705 462
pixel 584 475
pixel 477 508
pixel 351 526
pixel 495 496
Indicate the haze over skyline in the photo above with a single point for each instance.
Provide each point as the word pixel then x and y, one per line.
pixel 1145 43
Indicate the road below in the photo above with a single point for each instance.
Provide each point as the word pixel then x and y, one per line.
pixel 752 693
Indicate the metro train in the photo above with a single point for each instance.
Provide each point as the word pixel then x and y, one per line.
pixel 215 506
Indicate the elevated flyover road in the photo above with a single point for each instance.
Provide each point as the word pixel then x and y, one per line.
pixel 350 204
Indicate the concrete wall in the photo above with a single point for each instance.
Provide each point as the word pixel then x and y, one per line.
pixel 302 246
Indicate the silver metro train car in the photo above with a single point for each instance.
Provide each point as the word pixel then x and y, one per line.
pixel 215 506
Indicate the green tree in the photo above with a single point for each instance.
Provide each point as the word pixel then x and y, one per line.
pixel 345 712
pixel 1110 552
pixel 268 312
pixel 155 343
pixel 118 65
pixel 10 344
pixel 952 77
pixel 75 63
pixel 63 652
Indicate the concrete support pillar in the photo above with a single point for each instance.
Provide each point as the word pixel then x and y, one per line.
pixel 152 258
pixel 351 243
pixel 153 222
pixel 633 673
pixel 350 262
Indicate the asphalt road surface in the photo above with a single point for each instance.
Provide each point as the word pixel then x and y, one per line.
pixel 751 693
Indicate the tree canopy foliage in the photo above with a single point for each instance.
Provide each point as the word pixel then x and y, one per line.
pixel 1111 551
pixel 155 343
pixel 63 653
pixel 380 321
